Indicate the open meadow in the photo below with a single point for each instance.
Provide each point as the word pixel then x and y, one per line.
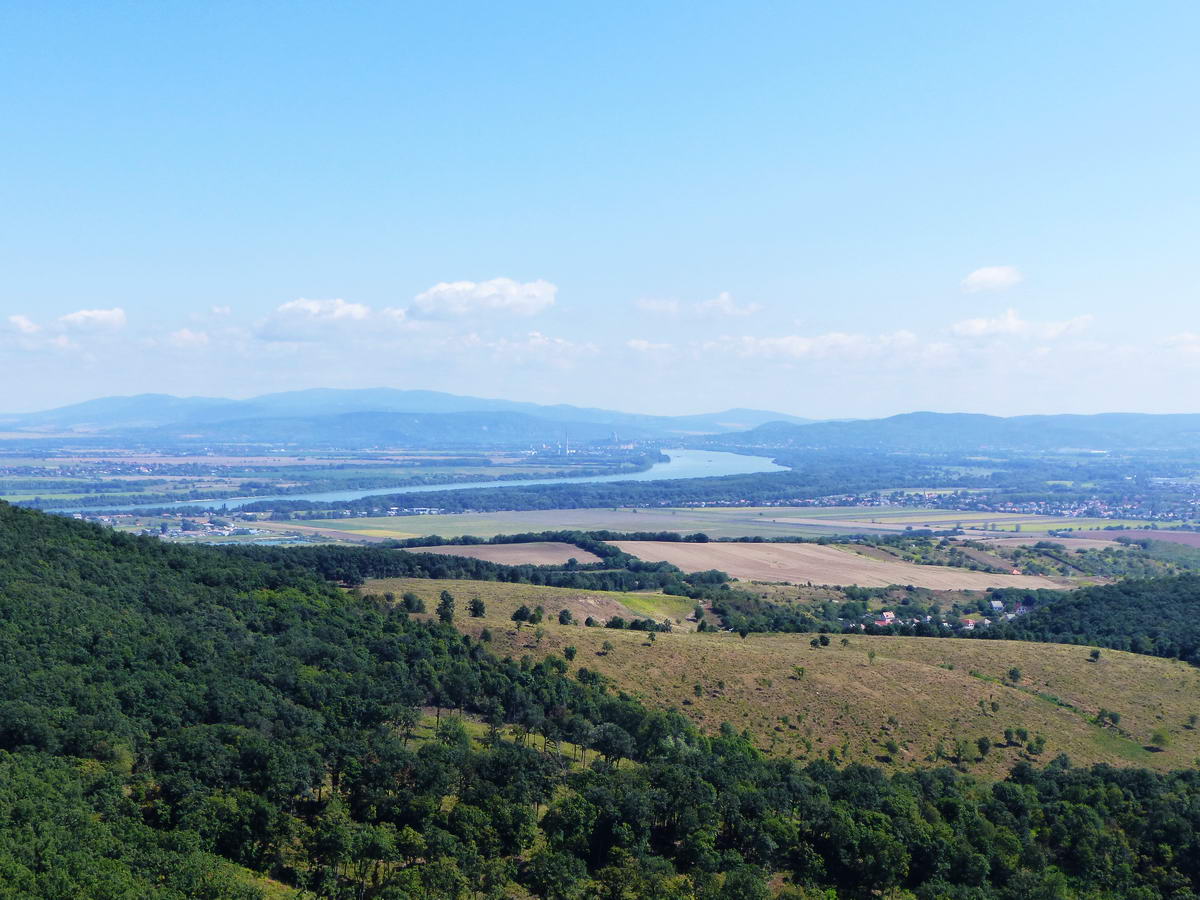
pixel 820 564
pixel 903 702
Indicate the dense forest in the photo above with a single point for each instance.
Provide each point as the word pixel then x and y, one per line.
pixel 1157 616
pixel 177 721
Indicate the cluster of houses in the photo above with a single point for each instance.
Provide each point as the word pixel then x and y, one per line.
pixel 177 526
pixel 377 511
pixel 202 531
pixel 1093 508
pixel 888 618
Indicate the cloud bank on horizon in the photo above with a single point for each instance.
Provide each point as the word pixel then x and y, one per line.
pixel 474 337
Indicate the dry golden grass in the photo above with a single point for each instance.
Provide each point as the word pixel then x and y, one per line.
pixel 502 599
pixel 536 553
pixel 819 564
pixel 918 692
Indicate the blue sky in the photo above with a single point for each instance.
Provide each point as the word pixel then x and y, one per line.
pixel 847 209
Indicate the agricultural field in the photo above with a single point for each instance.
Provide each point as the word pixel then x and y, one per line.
pixel 898 519
pixel 122 478
pixel 716 522
pixel 1186 538
pixel 901 702
pixel 536 553
pixel 821 564
pixel 720 522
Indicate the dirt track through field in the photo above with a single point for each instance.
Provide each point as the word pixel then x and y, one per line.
pixel 820 564
pixel 539 553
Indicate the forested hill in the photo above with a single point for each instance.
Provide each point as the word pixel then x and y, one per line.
pixel 927 431
pixel 182 722
pixel 1157 616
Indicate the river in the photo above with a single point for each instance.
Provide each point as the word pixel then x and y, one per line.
pixel 682 464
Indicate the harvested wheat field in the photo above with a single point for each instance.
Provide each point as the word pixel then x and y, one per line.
pixel 820 564
pixel 537 553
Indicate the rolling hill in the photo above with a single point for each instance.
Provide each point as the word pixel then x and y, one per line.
pixel 320 413
pixel 926 431
pixel 923 694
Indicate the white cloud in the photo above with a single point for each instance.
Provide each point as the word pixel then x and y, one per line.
pixel 1010 323
pixel 1185 342
pixel 186 338
pixel 222 310
pixel 662 307
pixel 449 299
pixel 644 346
pixel 823 346
pixel 94 320
pixel 721 305
pixel 992 278
pixel 310 320
pixel 24 324
pixel 538 346
pixel 327 310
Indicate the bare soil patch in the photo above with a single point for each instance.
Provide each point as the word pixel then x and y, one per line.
pixel 820 564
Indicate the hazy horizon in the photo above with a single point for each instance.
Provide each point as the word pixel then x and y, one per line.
pixel 699 410
pixel 830 212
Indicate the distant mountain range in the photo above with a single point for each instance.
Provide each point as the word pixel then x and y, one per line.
pixel 369 417
pixel 390 417
pixel 965 432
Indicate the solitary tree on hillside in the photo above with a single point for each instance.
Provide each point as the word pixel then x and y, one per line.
pixel 478 608
pixel 445 607
pixel 521 615
pixel 565 617
pixel 413 603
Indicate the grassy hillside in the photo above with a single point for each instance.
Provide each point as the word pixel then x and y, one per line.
pixel 920 693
